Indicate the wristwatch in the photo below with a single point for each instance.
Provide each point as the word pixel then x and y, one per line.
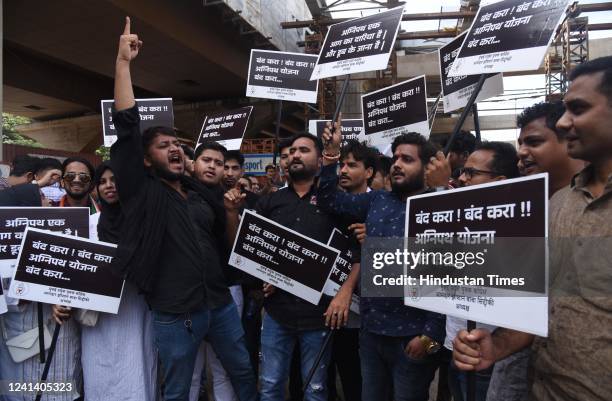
pixel 431 345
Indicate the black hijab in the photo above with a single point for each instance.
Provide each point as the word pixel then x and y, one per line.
pixel 21 195
pixel 110 217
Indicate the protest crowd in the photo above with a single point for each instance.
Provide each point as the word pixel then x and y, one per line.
pixel 193 326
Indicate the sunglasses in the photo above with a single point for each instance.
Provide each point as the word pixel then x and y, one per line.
pixel 83 177
pixel 470 172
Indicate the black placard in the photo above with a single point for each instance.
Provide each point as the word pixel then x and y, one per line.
pixel 342 269
pixel 352 129
pixel 282 76
pixel 394 110
pixel 283 257
pixel 457 90
pixel 67 270
pixel 499 217
pixel 14 220
pixel 153 113
pixel 358 45
pixel 510 35
pixel 226 128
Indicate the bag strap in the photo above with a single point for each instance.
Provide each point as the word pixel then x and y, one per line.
pixel 4 334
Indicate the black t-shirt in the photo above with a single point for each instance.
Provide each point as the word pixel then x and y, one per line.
pixel 190 273
pixel 302 215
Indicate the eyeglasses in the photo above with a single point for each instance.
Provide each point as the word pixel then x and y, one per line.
pixel 83 177
pixel 470 172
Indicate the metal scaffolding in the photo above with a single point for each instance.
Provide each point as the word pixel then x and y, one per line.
pixel 570 48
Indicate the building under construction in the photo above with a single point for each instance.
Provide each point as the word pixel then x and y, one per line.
pixel 58 62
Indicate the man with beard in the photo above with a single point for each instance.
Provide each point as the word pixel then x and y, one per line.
pixel 173 244
pixel 77 181
pixel 573 361
pixel 396 342
pixel 288 319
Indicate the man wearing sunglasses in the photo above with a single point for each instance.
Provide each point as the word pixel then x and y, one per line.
pixel 77 174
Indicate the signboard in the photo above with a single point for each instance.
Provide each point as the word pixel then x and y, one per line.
pixel 153 113
pixel 509 35
pixel 255 163
pixel 395 110
pixel 352 129
pixel 457 90
pixel 284 258
pixel 358 45
pixel 481 253
pixel 62 269
pixel 227 127
pixel 282 76
pixel 342 268
pixel 14 220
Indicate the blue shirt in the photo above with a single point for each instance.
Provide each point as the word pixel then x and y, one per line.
pixel 384 214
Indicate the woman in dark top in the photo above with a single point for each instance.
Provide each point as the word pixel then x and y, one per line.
pixel 129 372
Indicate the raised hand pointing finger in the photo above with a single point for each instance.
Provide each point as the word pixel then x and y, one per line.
pixel 126 29
pixel 129 45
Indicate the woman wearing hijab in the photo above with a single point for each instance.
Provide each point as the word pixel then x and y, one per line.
pixel 23 318
pixel 119 359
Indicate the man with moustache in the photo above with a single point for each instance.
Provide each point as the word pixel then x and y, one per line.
pixel 357 169
pixel 490 162
pixel 542 149
pixel 396 341
pixel 573 361
pixel 77 181
pixel 173 244
pixel 233 170
pixel 288 319
pixel 543 146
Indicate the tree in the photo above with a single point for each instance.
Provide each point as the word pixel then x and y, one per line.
pixel 10 134
pixel 103 152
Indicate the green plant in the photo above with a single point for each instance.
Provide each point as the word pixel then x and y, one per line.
pixel 103 152
pixel 10 134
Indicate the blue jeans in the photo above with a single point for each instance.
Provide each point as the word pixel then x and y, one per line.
pixel 457 381
pixel 277 344
pixel 385 367
pixel 178 346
